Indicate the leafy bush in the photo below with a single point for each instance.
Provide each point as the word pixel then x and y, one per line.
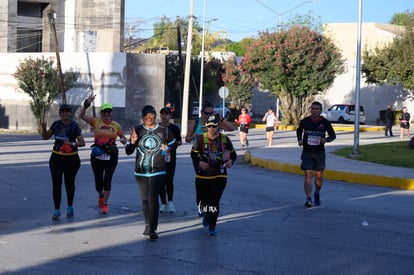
pixel 38 78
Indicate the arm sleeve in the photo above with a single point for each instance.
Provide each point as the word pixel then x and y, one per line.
pixel 299 131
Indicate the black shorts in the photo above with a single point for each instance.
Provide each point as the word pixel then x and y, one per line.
pixel 243 129
pixel 405 126
pixel 270 129
pixel 313 161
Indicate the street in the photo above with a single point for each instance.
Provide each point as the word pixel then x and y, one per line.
pixel 263 227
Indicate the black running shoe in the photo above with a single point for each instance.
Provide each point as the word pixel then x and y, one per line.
pixel 317 199
pixel 153 236
pixel 308 202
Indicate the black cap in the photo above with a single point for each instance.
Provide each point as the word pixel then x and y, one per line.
pixel 165 110
pixel 213 120
pixel 148 109
pixel 65 107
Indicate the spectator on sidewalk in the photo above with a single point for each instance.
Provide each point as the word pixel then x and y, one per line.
pixel 64 160
pixel 389 121
pixel 404 123
pixel 311 134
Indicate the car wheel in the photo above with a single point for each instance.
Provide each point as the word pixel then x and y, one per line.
pixel 341 120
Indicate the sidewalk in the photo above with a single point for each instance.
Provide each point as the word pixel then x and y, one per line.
pixel 285 157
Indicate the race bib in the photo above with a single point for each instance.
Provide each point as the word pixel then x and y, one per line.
pixel 314 140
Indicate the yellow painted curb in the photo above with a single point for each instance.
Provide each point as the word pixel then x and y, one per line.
pixel 337 128
pixel 401 183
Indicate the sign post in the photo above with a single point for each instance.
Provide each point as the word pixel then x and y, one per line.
pixel 223 93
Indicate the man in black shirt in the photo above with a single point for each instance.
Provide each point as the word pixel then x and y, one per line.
pixel 311 133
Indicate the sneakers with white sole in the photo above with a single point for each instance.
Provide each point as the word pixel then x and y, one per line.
pixel 170 207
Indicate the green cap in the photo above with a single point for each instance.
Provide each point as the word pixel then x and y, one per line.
pixel 106 106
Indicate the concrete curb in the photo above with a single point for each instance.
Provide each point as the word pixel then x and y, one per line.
pixel 401 183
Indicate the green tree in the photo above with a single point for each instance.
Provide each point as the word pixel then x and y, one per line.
pixel 38 78
pixel 240 84
pixel 403 18
pixel 392 64
pixel 239 48
pixel 295 65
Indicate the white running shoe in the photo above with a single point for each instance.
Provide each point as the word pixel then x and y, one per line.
pixel 163 208
pixel 171 208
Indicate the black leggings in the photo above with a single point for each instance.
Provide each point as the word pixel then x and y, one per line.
pixel 103 170
pixel 167 189
pixel 209 192
pixel 149 188
pixel 68 167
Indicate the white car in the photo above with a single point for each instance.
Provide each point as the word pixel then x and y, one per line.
pixel 344 113
pixel 219 109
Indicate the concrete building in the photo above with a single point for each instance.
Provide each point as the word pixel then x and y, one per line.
pixel 90 43
pixel 81 25
pixel 372 97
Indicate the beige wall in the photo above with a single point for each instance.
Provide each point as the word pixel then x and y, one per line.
pixel 372 97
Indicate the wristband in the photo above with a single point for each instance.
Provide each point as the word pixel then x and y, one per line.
pixel 86 104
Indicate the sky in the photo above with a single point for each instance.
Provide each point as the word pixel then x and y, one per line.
pixel 238 19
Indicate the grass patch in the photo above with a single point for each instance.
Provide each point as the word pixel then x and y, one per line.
pixel 392 154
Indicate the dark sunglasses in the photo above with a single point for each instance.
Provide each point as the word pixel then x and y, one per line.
pixel 212 126
pixel 107 111
pixel 207 114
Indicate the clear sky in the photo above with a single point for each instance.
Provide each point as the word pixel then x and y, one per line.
pixel 244 18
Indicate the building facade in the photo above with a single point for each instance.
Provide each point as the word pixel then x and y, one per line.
pixel 79 25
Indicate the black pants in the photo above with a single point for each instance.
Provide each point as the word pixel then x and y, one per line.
pixel 167 189
pixel 103 171
pixel 209 192
pixel 68 167
pixel 388 127
pixel 149 188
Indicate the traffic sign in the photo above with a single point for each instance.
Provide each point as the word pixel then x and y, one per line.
pixel 223 92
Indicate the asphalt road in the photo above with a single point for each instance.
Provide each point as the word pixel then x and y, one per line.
pixel 263 227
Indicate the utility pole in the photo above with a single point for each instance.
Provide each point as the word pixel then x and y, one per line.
pixel 184 116
pixel 52 16
pixel 180 61
pixel 355 151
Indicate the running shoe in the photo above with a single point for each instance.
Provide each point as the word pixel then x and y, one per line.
pixel 308 202
pixel 163 208
pixel 317 199
pixel 69 212
pixel 153 236
pixel 100 202
pixel 146 231
pixel 56 214
pixel 170 207
pixel 104 209
pixel 212 232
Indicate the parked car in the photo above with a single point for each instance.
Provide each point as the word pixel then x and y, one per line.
pixel 219 109
pixel 344 113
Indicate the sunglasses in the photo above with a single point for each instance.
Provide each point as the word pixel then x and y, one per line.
pixel 212 126
pixel 107 111
pixel 207 114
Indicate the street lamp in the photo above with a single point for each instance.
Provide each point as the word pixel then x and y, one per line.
pixel 279 24
pixel 200 101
